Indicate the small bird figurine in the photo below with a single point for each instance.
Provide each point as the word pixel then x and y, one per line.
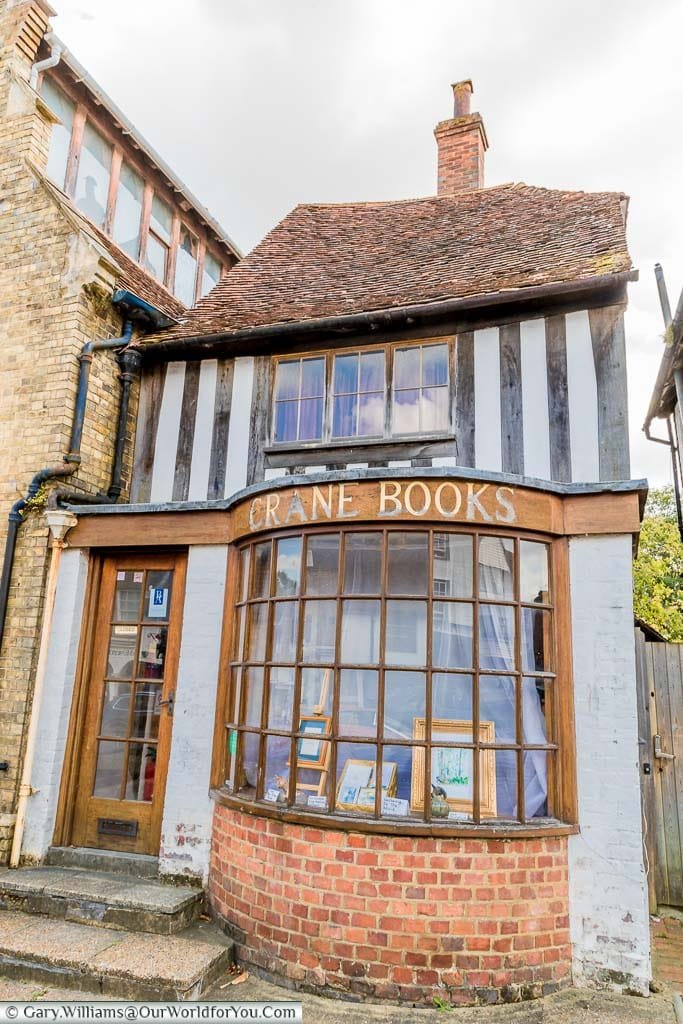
pixel 281 783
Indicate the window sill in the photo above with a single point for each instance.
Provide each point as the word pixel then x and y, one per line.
pixel 341 823
pixel 356 442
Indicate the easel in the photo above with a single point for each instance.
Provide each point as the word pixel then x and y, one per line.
pixel 321 769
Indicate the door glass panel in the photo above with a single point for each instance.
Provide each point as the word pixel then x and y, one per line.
pixel 142 759
pixel 158 595
pixel 121 658
pixel 115 708
pixel 152 652
pixel 147 710
pixel 110 758
pixel 127 596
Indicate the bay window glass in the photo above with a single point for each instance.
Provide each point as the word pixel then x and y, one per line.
pixel 299 391
pixel 211 274
pixel 186 266
pixel 92 181
pixel 159 239
pixel 60 136
pixel 128 211
pixel 393 673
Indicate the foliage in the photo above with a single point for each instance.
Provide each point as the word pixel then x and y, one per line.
pixel 658 570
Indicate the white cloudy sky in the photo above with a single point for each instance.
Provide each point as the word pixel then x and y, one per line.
pixel 261 104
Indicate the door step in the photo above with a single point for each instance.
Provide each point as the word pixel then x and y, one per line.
pixel 103 860
pixel 115 964
pixel 102 898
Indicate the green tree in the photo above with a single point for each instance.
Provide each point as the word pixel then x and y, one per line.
pixel 658 570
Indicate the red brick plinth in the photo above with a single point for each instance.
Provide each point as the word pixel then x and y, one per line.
pixel 393 917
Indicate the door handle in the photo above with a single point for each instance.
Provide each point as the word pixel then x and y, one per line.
pixel 168 702
pixel 659 753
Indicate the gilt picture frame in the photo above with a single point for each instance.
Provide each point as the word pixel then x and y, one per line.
pixel 452 767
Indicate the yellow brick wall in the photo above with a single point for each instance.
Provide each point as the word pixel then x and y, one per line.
pixel 54 296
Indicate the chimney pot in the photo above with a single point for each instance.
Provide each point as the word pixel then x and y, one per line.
pixel 462 92
pixel 461 143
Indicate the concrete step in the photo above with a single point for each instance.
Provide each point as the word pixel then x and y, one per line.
pixel 101 898
pixel 117 965
pixel 103 860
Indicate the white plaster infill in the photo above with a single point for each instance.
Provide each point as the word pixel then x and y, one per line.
pixel 608 908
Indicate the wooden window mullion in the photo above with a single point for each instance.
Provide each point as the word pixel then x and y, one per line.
pixel 80 117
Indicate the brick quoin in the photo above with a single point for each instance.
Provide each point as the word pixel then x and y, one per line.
pixel 393 917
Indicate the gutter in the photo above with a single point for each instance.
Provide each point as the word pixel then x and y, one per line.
pixel 197 346
pixel 56 50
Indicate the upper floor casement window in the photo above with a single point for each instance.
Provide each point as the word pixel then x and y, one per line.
pixel 394 391
pixel 118 199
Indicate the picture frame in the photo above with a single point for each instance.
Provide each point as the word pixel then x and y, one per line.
pixel 452 767
pixel 311 750
pixel 357 784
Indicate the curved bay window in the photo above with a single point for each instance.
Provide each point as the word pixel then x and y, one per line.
pixel 395 673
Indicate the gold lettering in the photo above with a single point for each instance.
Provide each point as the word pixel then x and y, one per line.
pixel 296 509
pixel 385 497
pixel 325 503
pixel 439 504
pixel 473 503
pixel 510 515
pixel 426 494
pixel 255 524
pixel 272 505
pixel 344 499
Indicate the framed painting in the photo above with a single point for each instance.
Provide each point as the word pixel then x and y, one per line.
pixel 452 767
pixel 357 784
pixel 311 750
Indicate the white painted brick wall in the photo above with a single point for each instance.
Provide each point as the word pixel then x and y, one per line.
pixel 188 809
pixel 607 883
pixel 55 710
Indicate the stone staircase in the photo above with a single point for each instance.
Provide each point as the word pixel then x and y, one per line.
pixel 104 923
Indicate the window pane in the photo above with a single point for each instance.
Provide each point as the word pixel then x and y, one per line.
pixel 316 691
pixel 453 775
pixel 320 619
pixel 357 778
pixel 536 763
pixel 92 183
pixel 247 769
pixel 311 419
pixel 127 597
pixel 156 258
pixel 312 378
pixel 372 371
pixel 115 708
pixel 244 574
pixel 506 783
pixel 398 805
pixel 496 636
pixel 281 698
pixel 497 704
pixel 147 711
pixel 406 412
pixel 152 654
pixel 157 604
pixel 253 681
pixel 452 697
pixel 121 658
pixel 311 784
pixel 404 700
pixel 533 572
pixel 258 621
pixel 60 137
pixel 360 632
pixel 285 626
pixel 371 414
pixel 287 378
pixel 407 367
pixel 161 219
pixel 537 710
pixel 452 635
pixel 452 571
pixel 346 374
pixel 288 569
pixel 322 564
pixel 536 641
pixel 128 211
pixel 142 760
pixel 186 266
pixel 434 409
pixel 276 782
pixel 408 563
pixel 344 416
pixel 496 557
pixel 406 639
pixel 363 563
pixel 434 365
pixel 286 415
pixel 261 582
pixel 358 702
pixel 211 274
pixel 110 758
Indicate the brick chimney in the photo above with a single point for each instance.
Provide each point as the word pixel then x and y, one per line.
pixel 461 143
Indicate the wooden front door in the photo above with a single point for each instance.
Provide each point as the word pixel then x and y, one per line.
pixel 129 714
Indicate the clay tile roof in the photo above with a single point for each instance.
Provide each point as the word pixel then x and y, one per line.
pixel 327 260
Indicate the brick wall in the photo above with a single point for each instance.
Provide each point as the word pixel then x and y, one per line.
pixel 393 918
pixel 55 290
